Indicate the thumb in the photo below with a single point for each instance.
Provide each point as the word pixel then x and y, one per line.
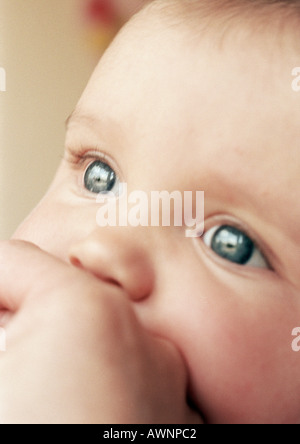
pixel 22 265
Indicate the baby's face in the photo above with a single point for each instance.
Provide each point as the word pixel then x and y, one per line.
pixel 162 112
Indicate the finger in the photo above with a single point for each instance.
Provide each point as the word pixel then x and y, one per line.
pixel 26 270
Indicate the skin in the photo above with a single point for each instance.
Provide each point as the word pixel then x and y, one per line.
pixel 175 115
pixel 76 352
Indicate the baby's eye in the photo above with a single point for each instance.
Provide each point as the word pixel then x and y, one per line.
pixel 234 245
pixel 100 178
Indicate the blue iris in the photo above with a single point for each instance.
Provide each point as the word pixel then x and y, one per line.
pixel 99 177
pixel 232 244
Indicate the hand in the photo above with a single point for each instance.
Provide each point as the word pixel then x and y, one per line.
pixel 76 352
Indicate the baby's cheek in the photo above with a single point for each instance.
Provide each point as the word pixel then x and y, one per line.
pixel 243 369
pixel 44 229
pixel 54 225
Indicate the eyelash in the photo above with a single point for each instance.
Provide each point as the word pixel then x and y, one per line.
pixel 216 221
pixel 79 156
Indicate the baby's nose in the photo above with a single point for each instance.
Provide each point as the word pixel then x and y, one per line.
pixel 117 258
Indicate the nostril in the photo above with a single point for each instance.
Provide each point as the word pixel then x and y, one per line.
pixel 76 262
pixel 115 261
pixel 112 282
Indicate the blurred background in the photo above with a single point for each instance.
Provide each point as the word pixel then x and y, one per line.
pixel 48 50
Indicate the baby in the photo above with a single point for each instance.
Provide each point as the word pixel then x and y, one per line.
pixel 144 324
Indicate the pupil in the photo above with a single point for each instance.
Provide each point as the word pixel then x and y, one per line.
pixel 99 178
pixel 232 244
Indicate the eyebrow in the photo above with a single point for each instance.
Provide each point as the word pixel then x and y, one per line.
pixel 78 117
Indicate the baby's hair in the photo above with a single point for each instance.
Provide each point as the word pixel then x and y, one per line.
pixel 275 17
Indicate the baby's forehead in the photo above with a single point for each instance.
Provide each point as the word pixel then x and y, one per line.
pixel 189 94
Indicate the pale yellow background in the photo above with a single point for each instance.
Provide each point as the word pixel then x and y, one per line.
pixel 48 60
